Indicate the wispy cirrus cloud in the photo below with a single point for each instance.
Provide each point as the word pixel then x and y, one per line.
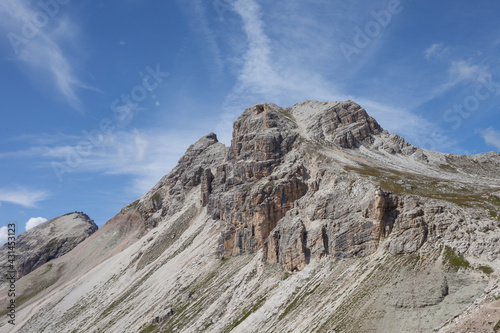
pixel 23 196
pixel 417 130
pixel 196 12
pixel 287 54
pixel 436 50
pixel 455 70
pixel 144 155
pixel 273 69
pixel 465 70
pixel 38 35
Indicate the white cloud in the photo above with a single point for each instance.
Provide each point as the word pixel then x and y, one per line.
pixel 435 50
pixel 41 49
pixel 273 71
pixel 23 197
pixel 34 221
pixel 463 70
pixel 3 235
pixel 491 137
pixel 460 72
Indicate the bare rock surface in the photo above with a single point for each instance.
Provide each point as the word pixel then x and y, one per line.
pixel 314 219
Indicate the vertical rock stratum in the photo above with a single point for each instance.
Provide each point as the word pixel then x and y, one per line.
pixel 314 219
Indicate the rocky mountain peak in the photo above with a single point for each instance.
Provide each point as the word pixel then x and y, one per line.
pixel 344 124
pixel 50 240
pixel 195 150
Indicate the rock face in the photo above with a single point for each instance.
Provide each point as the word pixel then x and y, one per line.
pixel 314 219
pixel 323 179
pixel 256 185
pixel 49 240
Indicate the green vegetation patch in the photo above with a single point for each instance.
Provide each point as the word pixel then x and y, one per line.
pixel 41 285
pixel 203 292
pixel 497 327
pixel 286 112
pixel 298 300
pixel 485 269
pixel 447 167
pixel 156 198
pixel 133 204
pixel 425 186
pixel 113 305
pixel 245 315
pixel 454 260
pixel 48 268
pixel 36 288
pixel 495 200
pixel 184 246
pixel 148 329
pixel 269 184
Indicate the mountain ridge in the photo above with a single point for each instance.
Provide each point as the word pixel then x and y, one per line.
pixel 313 219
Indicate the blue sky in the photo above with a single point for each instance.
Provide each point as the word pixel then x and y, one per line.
pixel 101 98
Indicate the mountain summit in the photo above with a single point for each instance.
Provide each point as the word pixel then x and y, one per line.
pixel 314 219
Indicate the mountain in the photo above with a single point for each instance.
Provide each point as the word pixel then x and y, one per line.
pixel 47 241
pixel 314 219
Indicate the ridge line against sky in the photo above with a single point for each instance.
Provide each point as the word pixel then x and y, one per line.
pixel 79 97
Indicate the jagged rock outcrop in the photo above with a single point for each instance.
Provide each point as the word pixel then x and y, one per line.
pixel 193 169
pixel 49 240
pixel 344 124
